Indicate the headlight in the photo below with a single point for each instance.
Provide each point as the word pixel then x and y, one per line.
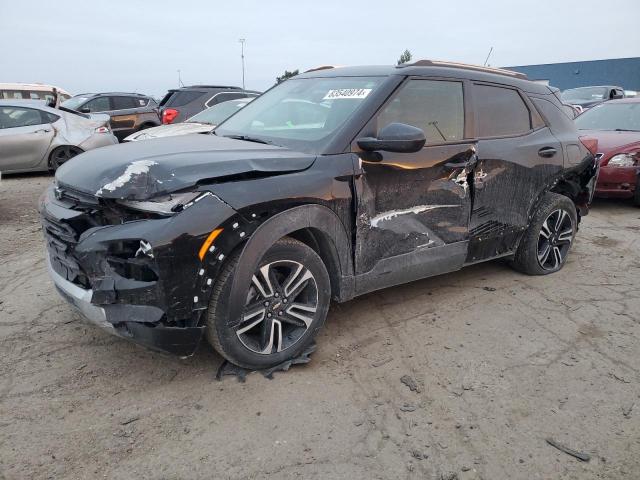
pixel 624 160
pixel 167 205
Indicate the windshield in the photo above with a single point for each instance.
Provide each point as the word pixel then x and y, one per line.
pixel 74 102
pixel 301 113
pixel 587 94
pixel 611 116
pixel 219 113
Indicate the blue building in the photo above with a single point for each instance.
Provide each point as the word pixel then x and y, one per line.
pixel 623 72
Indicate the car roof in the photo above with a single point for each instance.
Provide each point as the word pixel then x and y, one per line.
pixel 128 94
pixel 433 68
pixel 593 86
pixel 24 103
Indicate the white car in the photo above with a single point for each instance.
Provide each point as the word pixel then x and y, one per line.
pixel 202 122
pixel 35 137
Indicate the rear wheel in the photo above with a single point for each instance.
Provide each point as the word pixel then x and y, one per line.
pixel 61 155
pixel 546 243
pixel 287 299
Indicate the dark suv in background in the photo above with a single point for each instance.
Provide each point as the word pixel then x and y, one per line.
pixel 333 184
pixel 129 112
pixel 182 103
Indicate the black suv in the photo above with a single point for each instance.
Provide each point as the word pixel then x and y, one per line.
pixel 182 103
pixel 332 184
pixel 129 112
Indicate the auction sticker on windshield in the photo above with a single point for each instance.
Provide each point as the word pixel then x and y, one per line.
pixel 346 93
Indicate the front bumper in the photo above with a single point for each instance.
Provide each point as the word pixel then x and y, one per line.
pixel 155 300
pixel 182 341
pixel 617 182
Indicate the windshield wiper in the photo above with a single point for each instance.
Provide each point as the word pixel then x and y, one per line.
pixel 247 138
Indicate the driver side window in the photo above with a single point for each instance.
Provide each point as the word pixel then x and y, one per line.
pixel 100 104
pixel 435 106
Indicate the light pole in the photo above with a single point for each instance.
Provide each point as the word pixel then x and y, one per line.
pixel 242 40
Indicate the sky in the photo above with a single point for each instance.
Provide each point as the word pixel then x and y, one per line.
pixel 116 45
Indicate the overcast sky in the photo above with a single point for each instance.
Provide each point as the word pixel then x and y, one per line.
pixel 90 46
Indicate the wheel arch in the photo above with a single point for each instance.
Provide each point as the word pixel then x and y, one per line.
pixel 316 226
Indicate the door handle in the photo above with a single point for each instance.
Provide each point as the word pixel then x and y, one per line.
pixel 547 152
pixel 42 130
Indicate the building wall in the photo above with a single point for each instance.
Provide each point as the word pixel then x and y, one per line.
pixel 623 72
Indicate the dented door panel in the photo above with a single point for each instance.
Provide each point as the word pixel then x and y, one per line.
pixel 409 202
pixel 509 178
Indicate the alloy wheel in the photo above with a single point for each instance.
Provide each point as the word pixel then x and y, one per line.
pixel 281 306
pixel 554 240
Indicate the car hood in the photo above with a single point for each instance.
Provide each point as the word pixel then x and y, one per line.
pixel 144 170
pixel 170 130
pixel 610 142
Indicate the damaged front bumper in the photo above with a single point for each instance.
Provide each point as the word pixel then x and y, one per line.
pixel 153 297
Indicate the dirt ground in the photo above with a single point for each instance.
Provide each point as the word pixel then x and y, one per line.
pixel 500 361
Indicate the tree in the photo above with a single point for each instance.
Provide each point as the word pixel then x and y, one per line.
pixel 405 57
pixel 286 75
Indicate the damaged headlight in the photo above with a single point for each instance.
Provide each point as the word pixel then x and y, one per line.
pixel 167 204
pixel 624 160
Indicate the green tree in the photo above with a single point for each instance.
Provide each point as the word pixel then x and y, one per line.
pixel 405 57
pixel 286 75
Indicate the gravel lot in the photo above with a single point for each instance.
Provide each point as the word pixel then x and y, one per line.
pixel 500 362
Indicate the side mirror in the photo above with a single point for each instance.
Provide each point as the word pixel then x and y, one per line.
pixel 617 94
pixel 395 137
pixel 84 110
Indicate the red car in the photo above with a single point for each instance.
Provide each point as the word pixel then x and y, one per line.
pixel 616 126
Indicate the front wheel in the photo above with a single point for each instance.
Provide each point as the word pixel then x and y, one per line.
pixel 287 299
pixel 547 241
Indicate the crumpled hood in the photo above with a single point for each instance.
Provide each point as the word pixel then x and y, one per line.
pixel 143 170
pixel 170 131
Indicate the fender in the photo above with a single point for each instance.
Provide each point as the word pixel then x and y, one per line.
pixel 304 216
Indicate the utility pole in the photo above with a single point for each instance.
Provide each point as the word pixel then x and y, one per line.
pixel 242 40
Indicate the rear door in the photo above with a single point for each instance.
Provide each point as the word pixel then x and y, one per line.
pixel 413 208
pixel 518 158
pixel 25 137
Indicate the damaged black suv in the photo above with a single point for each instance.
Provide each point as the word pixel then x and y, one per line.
pixel 333 184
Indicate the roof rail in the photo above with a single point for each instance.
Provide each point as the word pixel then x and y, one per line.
pixel 321 67
pixel 213 86
pixel 466 66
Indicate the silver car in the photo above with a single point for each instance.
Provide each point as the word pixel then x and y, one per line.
pixel 202 122
pixel 36 137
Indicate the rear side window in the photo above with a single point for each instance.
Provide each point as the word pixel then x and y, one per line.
pixel 500 111
pixel 223 97
pixel 14 117
pixel 49 117
pixel 180 98
pixel 435 106
pixel 123 103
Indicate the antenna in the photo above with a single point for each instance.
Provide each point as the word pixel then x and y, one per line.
pixel 180 84
pixel 487 59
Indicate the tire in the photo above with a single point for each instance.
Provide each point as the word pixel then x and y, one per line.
pixel 546 243
pixel 279 321
pixel 62 154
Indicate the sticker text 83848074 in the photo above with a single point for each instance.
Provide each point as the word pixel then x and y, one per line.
pixel 344 93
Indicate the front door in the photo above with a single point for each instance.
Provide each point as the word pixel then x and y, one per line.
pixel 413 208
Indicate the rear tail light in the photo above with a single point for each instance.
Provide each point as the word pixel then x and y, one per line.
pixel 169 115
pixel 102 129
pixel 591 144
